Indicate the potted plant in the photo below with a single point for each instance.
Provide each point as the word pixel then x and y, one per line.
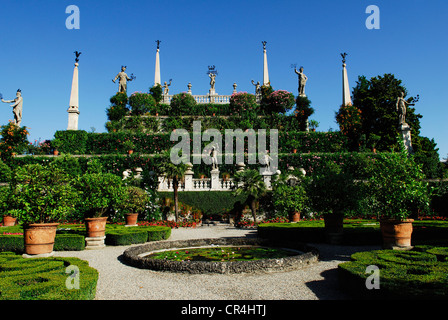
pixel 332 192
pixel 42 196
pixel 289 198
pixel 399 190
pixel 129 146
pixel 56 144
pixel 135 203
pixel 99 192
pixel 8 219
pixel 313 125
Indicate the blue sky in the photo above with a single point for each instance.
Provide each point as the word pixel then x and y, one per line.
pixel 37 53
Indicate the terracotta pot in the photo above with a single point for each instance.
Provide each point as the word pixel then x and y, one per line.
pixel 130 151
pixel 96 227
pixel 56 152
pixel 39 238
pixel 295 217
pixel 396 233
pixel 295 150
pixel 9 221
pixel 131 219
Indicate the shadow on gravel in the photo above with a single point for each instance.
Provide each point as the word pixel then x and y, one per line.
pixel 328 288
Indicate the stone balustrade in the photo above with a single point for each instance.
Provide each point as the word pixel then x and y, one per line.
pixel 202 99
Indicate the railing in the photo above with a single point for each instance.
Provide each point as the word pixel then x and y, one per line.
pixel 203 99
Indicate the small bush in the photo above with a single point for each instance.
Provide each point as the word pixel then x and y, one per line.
pixel 141 103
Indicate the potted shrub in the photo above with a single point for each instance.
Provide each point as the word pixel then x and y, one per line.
pixel 314 124
pixel 129 146
pixel 44 196
pixel 99 192
pixel 7 219
pixel 332 192
pixel 135 203
pixel 397 186
pixel 289 198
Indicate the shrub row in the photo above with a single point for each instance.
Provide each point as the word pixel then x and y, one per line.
pixel 167 124
pixel 132 235
pixel 415 274
pixel 355 163
pixel 117 142
pixel 45 278
pixel 62 242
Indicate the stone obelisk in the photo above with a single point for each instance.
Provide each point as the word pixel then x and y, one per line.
pixel 73 109
pixel 265 65
pixel 346 99
pixel 157 73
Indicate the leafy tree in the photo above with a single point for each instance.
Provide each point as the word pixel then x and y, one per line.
pixel 141 103
pixel 156 92
pixel 376 99
pixel 174 172
pixel 250 183
pixel 14 140
pixel 118 108
pixel 303 111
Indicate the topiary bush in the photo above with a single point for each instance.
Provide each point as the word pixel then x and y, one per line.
pixel 181 104
pixel 414 274
pixel 46 278
pixel 141 103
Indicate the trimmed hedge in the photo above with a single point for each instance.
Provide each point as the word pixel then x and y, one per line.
pixel 123 236
pixel 44 278
pixel 414 274
pixel 62 242
pixel 155 143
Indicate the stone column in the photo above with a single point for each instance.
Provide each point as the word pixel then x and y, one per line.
pixel 157 73
pixel 265 66
pixel 267 179
pixel 346 99
pixel 73 110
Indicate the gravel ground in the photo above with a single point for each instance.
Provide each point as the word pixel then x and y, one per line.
pixel 118 281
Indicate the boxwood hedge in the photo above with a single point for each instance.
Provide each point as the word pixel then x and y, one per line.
pixel 45 278
pixel 414 274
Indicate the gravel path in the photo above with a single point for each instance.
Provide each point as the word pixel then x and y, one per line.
pixel 118 281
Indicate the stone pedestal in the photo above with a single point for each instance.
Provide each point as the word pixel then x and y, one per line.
pixel 406 135
pixel 214 181
pixel 189 178
pixel 95 243
pixel 73 115
pixel 42 255
pixel 267 178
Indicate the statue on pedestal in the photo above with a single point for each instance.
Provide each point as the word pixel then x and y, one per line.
pixel 401 108
pixel 302 81
pixel 17 107
pixel 166 90
pixel 257 88
pixel 122 87
pixel 212 73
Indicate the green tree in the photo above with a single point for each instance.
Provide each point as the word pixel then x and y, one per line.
pixel 250 183
pixel 175 173
pixel 377 98
pixel 156 92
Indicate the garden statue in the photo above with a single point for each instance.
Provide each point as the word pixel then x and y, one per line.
pixel 214 155
pixel 302 81
pixel 212 80
pixel 257 88
pixel 401 108
pixel 166 90
pixel 122 87
pixel 17 107
pixel 267 162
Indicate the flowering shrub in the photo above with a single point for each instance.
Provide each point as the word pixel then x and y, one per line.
pixel 118 108
pixel 243 104
pixel 13 140
pixel 182 103
pixel 280 101
pixel 141 103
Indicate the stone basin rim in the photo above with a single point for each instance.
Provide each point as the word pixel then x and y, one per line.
pixel 132 256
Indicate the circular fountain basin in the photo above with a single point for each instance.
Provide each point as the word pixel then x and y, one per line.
pixel 139 256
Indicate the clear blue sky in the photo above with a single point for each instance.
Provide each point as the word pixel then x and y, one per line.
pixel 37 53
